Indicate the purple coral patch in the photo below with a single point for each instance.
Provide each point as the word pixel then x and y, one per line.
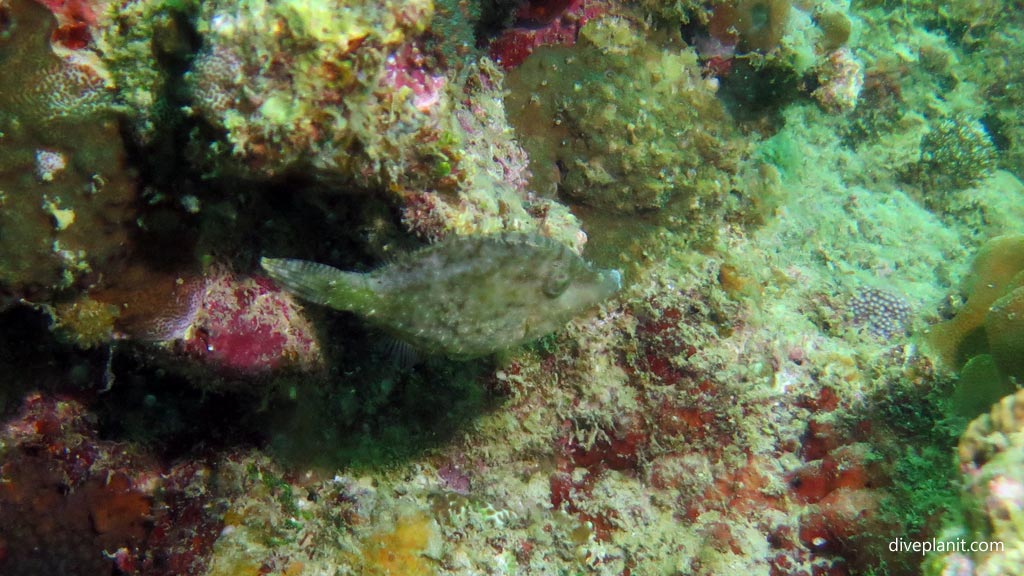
pixel 882 313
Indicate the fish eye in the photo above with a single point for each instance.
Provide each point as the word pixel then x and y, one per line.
pixel 556 283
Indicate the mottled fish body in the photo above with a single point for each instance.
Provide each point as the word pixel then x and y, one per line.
pixel 464 297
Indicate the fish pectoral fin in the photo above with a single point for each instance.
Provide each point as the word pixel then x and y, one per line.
pixel 402 354
pixel 317 283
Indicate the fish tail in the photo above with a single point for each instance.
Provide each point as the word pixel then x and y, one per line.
pixel 321 284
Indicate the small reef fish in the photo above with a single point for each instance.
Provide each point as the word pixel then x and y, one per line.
pixel 463 297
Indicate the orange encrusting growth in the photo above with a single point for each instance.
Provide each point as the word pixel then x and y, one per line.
pixel 400 551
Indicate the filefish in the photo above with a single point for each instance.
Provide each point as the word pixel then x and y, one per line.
pixel 463 297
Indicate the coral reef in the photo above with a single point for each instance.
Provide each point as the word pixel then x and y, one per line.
pixel 1006 333
pixel 882 313
pixel 367 110
pixel 956 153
pixel 233 325
pixel 79 505
pixel 752 24
pixel 991 35
pixel 247 325
pixel 793 190
pixel 645 131
pixel 995 274
pixel 145 46
pixel 676 12
pixel 319 85
pixel 483 186
pixel 990 536
pixel 65 192
pixel 841 77
pixel 560 28
pixel 795 36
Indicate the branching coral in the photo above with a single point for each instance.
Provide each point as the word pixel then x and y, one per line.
pixel 957 153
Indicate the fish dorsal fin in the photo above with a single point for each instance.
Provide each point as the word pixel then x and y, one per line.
pixel 457 248
pixel 322 284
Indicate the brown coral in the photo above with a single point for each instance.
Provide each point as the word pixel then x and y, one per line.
pixel 991 434
pixel 65 193
pixel 997 270
pixel 754 24
pixel 1004 325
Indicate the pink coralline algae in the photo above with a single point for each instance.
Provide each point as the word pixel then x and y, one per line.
pixel 515 44
pixel 74 19
pixel 249 326
pixel 404 71
pixel 75 504
pixel 236 325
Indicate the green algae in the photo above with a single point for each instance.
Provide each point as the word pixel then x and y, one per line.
pixel 631 122
pixel 782 151
pixel 981 385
